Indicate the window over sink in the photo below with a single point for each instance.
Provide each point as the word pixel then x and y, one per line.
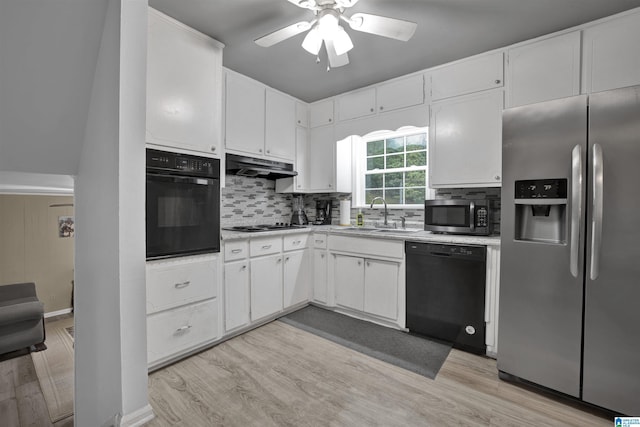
pixel 392 165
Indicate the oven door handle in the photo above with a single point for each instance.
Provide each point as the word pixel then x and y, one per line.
pixel 181 179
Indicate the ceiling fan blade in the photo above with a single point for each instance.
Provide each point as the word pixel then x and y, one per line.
pixel 343 3
pixel 382 26
pixel 305 4
pixel 335 60
pixel 283 34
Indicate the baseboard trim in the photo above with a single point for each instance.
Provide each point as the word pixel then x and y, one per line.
pixel 57 313
pixel 138 418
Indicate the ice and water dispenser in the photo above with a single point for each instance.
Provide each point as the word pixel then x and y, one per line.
pixel 541 210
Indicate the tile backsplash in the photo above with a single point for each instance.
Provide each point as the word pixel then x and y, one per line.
pixel 248 200
pixel 254 201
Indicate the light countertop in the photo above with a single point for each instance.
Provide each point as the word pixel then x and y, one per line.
pixel 417 236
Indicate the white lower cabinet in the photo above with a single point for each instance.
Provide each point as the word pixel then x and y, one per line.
pixel 492 299
pixel 263 276
pixel 179 281
pixel 320 269
pixel 320 266
pixel 236 295
pixel 176 331
pixel 296 278
pixel 368 276
pixel 349 281
pixel 381 288
pixel 367 285
pixel 182 306
pixel 266 286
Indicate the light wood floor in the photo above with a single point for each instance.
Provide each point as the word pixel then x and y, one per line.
pixel 278 375
pixel 21 400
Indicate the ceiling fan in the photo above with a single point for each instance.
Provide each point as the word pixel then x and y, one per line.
pixel 325 27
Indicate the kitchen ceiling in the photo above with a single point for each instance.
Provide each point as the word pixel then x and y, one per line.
pixel 447 30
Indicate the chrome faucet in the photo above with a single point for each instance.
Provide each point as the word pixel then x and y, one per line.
pixel 385 208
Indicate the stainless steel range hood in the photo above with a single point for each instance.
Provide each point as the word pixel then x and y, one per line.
pixel 258 168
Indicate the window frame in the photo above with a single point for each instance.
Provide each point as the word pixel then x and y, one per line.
pixel 360 166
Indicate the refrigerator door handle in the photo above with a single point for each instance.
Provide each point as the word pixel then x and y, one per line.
pixel 596 216
pixel 576 208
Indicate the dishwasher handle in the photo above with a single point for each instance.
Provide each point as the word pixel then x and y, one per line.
pixel 442 254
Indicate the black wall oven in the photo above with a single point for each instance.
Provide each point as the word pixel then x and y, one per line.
pixel 183 204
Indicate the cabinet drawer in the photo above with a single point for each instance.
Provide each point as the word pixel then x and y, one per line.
pixel 367 247
pixel 295 241
pixel 265 246
pixel 174 283
pixel 236 249
pixel 174 331
pixel 320 241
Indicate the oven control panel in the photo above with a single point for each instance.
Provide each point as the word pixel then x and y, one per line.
pixel 182 163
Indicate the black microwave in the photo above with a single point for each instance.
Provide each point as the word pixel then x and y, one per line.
pixel 458 216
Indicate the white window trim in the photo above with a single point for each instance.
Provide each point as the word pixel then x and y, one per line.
pixel 359 147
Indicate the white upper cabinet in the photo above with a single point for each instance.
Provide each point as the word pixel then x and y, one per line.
pixel 356 104
pixel 544 70
pixel 400 93
pixel 184 86
pixel 385 97
pixel 259 121
pixel 302 114
pixel 321 113
pixel 611 54
pixel 245 114
pixel 467 76
pixel 465 141
pixel 321 159
pixel 280 126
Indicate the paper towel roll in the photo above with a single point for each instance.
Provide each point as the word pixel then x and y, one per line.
pixel 345 212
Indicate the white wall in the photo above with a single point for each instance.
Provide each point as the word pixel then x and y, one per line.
pixel 48 52
pixel 110 347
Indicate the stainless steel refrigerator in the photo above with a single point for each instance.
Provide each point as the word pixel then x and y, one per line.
pixel 570 235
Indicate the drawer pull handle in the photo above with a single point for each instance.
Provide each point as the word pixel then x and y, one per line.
pixel 236 251
pixel 319 241
pixel 266 247
pixel 183 329
pixel 297 242
pixel 182 285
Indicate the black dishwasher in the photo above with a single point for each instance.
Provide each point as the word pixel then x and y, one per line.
pixel 446 293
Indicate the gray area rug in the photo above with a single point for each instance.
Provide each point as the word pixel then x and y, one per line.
pixel 419 355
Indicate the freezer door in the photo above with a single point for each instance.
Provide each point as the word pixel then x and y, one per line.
pixel 541 285
pixel 611 373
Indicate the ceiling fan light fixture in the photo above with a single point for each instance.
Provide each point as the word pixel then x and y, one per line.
pixel 312 41
pixel 341 41
pixel 328 23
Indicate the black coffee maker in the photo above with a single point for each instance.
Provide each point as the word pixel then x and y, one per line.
pixel 323 212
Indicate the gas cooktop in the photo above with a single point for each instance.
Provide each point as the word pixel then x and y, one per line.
pixel 263 227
